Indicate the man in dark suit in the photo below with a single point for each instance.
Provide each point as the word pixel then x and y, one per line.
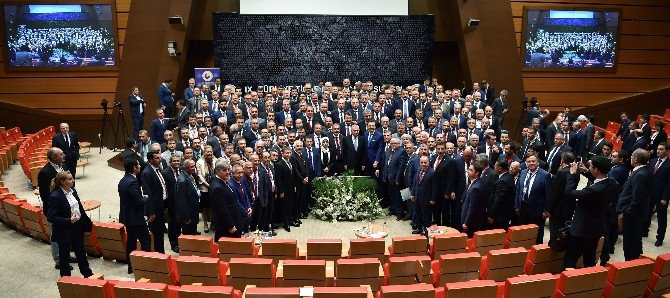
pixel 500 107
pixel 131 211
pixel 578 141
pixel 226 215
pixel 181 115
pixel 490 147
pixel 531 195
pixel 313 169
pixel 267 211
pixel 393 169
pixel 473 215
pixel 619 172
pixel 44 177
pixel 559 208
pixel 67 141
pixel 166 96
pixel 640 141
pixel 353 151
pixel 445 179
pixel 425 193
pixel 154 187
pixel 301 176
pixel 171 175
pixel 159 126
pixel 555 154
pixel 373 148
pixel 634 203
pixel 531 140
pixel 187 199
pixel 137 107
pixel 590 215
pixel 645 127
pixel 625 122
pixel 659 168
pixel 598 143
pixel 502 195
pixel 262 188
pixel 285 186
pixel 406 105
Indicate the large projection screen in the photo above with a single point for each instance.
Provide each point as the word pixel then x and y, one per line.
pixel 325 7
pixel 254 50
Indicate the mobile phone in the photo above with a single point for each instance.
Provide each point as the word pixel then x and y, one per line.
pixel 579 159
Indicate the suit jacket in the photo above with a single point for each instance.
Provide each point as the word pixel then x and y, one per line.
pixel 525 144
pixel 313 164
pixel 550 132
pixel 502 199
pixel 646 131
pixel 473 213
pixel 135 106
pixel 171 184
pixel 641 143
pixel 263 186
pixel 71 151
pixel 284 178
pixel 498 106
pixel 187 200
pixel 44 177
pixel 459 184
pixel 493 156
pixel 661 180
pixel 596 147
pixel 225 207
pixel 411 106
pixel 299 167
pixel 188 92
pixel 578 143
pixel 590 131
pixel 445 174
pixel 555 161
pixel 152 188
pixel 373 149
pixel 635 196
pixel 281 117
pixel 335 114
pixel 59 215
pixel 539 192
pixel 558 205
pixel 165 96
pixel 590 216
pixel 425 190
pixel 158 129
pixel 132 205
pixel 393 171
pixel 354 159
pixel 661 137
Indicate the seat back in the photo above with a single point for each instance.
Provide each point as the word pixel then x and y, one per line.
pixel 206 271
pixel 459 267
pixel 483 241
pixel 538 285
pixel 408 291
pixel 474 288
pixel 140 289
pixel 258 292
pixel 154 266
pixel 33 218
pixel 543 259
pixel 279 249
pixel 452 243
pixel 13 208
pixel 357 272
pixel 334 292
pixel 409 270
pixel 629 278
pixel 78 287
pixel 250 271
pixel 324 249
pixel 189 291
pixel 236 248
pixel 192 245
pixel 500 264
pixel 112 240
pixel 659 282
pixel 301 273
pixel 521 236
pixel 409 246
pixel 368 248
pixel 586 282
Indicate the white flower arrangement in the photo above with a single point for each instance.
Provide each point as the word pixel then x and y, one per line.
pixel 346 198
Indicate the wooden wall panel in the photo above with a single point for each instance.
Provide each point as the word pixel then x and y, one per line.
pixel 643 63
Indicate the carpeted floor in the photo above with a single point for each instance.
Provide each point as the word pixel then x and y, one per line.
pixel 28 269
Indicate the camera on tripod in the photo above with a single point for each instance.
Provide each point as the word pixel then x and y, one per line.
pixel 525 101
pixel 117 103
pixel 103 103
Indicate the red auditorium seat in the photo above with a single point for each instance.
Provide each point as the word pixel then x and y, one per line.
pixel 76 287
pixel 448 244
pixel 250 271
pixel 538 285
pixel 357 272
pixel 257 292
pixel 457 267
pixel 188 291
pixel 407 291
pixel 628 279
pixel 659 282
pixel 585 282
pixel 408 246
pixel 467 289
pixel 192 245
pixel 409 270
pixel 368 248
pixel 156 267
pixel 279 249
pixel 303 273
pixel 346 292
pixel 325 249
pixel 202 270
pixel 500 264
pixel 237 248
pixel 141 289
pixel 521 236
pixel 543 259
pixel 483 241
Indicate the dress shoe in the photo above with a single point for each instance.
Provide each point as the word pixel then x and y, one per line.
pixel 58 267
pixel 273 233
pixel 130 270
pixel 416 231
pixel 399 218
pixel 275 226
pixel 206 230
pixel 299 221
pixel 287 228
pixel 175 248
pixel 658 243
pixel 198 233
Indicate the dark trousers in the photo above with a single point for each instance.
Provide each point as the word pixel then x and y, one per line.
pixel 526 218
pixel 285 204
pixel 423 215
pixel 456 207
pixel 611 235
pixel 75 244
pixel 632 239
pixel 173 231
pixel 138 124
pixel 297 202
pixel 188 229
pixel 448 209
pixel 135 233
pixel 168 110
pixel 555 224
pixel 226 234
pixel 256 215
pixel 157 228
pixel 72 167
pixel 395 197
pixel 383 194
pixel 662 217
pixel 581 246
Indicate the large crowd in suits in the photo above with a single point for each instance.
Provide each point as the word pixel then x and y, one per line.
pixel 235 162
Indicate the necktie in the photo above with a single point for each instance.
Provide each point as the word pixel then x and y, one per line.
pixel 348 130
pixel 341 116
pixel 160 177
pixel 551 155
pixel 421 175
pixel 491 154
pixel 567 137
pixel 437 162
pixel 391 156
pixel 370 137
pixel 176 174
pixel 526 185
pixel 67 139
pixel 405 112
pixel 658 165
pixel 310 158
pixel 355 143
pixel 272 181
pixel 255 180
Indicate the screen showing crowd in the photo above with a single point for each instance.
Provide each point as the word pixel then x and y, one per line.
pixel 570 39
pixel 61 35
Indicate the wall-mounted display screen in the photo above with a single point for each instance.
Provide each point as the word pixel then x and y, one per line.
pixel 59 36
pixel 570 39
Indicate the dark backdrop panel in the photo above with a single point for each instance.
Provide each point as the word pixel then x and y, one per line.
pixel 294 49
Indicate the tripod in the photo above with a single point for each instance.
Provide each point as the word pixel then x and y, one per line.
pixel 106 120
pixel 121 121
